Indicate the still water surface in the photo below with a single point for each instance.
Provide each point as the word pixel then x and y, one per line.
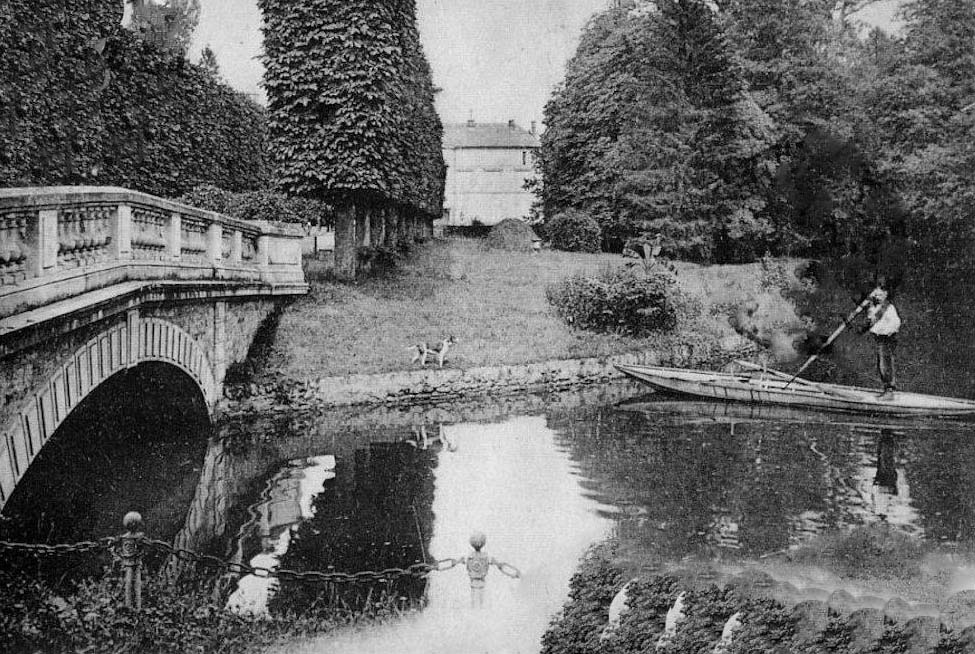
pixel 682 484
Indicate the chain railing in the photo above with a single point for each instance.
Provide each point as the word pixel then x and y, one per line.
pixel 417 570
pixel 131 548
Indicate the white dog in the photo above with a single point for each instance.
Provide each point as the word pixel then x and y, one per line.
pixel 423 350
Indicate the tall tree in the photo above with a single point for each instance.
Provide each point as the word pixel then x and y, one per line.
pixel 925 120
pixel 653 130
pixel 351 109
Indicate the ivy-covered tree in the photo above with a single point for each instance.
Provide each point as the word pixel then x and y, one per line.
pixel 52 77
pixel 351 109
pixel 83 101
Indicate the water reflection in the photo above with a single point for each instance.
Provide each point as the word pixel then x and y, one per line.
pixel 513 481
pixel 287 502
pixel 678 482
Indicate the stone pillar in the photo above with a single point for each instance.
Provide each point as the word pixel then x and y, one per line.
pixel 122 233
pixel 392 228
pixel 214 243
pixel 46 243
pixel 377 225
pixel 237 248
pixel 175 236
pixel 345 254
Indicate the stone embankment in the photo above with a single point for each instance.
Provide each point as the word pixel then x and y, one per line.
pixel 436 385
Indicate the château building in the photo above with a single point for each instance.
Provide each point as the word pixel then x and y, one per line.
pixel 487 166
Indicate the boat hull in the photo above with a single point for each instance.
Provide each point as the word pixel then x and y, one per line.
pixel 754 389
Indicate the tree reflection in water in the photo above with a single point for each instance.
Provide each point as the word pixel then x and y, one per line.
pixel 736 490
pixel 374 514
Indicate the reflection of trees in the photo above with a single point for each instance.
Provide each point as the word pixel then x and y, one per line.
pixel 940 473
pixel 695 480
pixel 376 514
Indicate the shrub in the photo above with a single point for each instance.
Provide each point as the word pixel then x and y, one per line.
pixel 574 231
pixel 511 234
pixel 617 300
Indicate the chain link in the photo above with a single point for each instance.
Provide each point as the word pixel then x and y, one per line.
pixel 388 575
pixel 112 543
pixel 41 549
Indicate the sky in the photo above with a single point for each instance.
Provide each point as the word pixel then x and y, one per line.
pixel 494 59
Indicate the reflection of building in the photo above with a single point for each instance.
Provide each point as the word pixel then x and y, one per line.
pixel 285 503
pixel 487 166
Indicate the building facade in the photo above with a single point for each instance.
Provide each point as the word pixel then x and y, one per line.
pixel 487 167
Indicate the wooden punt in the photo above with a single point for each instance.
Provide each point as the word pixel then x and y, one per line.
pixel 774 387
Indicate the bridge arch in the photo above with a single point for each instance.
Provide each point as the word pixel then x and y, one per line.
pixel 117 348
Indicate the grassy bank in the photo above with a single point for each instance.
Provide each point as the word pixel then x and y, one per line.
pixel 493 302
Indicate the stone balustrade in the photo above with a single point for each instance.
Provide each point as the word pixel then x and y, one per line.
pixel 59 242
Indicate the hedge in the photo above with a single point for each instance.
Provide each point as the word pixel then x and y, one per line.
pixel 84 101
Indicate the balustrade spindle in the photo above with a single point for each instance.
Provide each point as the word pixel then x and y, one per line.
pixel 14 247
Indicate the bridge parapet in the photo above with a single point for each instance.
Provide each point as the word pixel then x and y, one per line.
pixel 58 242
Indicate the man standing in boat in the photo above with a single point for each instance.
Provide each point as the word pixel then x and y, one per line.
pixel 884 324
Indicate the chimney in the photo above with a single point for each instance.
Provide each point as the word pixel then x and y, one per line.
pixel 511 124
pixel 534 125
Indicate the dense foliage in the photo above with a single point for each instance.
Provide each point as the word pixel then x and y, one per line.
pixel 177 617
pixel 84 101
pixel 739 126
pixel 350 95
pixel 260 205
pixel 574 231
pixel 621 300
pixel 766 626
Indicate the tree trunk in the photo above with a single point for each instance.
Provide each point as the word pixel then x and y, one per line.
pixel 345 241
pixel 392 228
pixel 363 218
pixel 402 226
pixel 377 225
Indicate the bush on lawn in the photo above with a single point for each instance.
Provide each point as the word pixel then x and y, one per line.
pixel 620 300
pixel 511 234
pixel 574 231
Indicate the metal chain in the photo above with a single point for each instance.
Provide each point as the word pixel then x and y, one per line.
pixel 417 570
pixel 40 549
pixel 111 543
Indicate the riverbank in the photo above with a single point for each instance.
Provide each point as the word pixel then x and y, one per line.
pixel 350 344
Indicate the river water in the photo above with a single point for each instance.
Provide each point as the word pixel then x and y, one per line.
pixel 878 509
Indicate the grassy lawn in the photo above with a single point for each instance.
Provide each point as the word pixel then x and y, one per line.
pixel 492 301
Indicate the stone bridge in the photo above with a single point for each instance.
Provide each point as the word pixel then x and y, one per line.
pixel 96 281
